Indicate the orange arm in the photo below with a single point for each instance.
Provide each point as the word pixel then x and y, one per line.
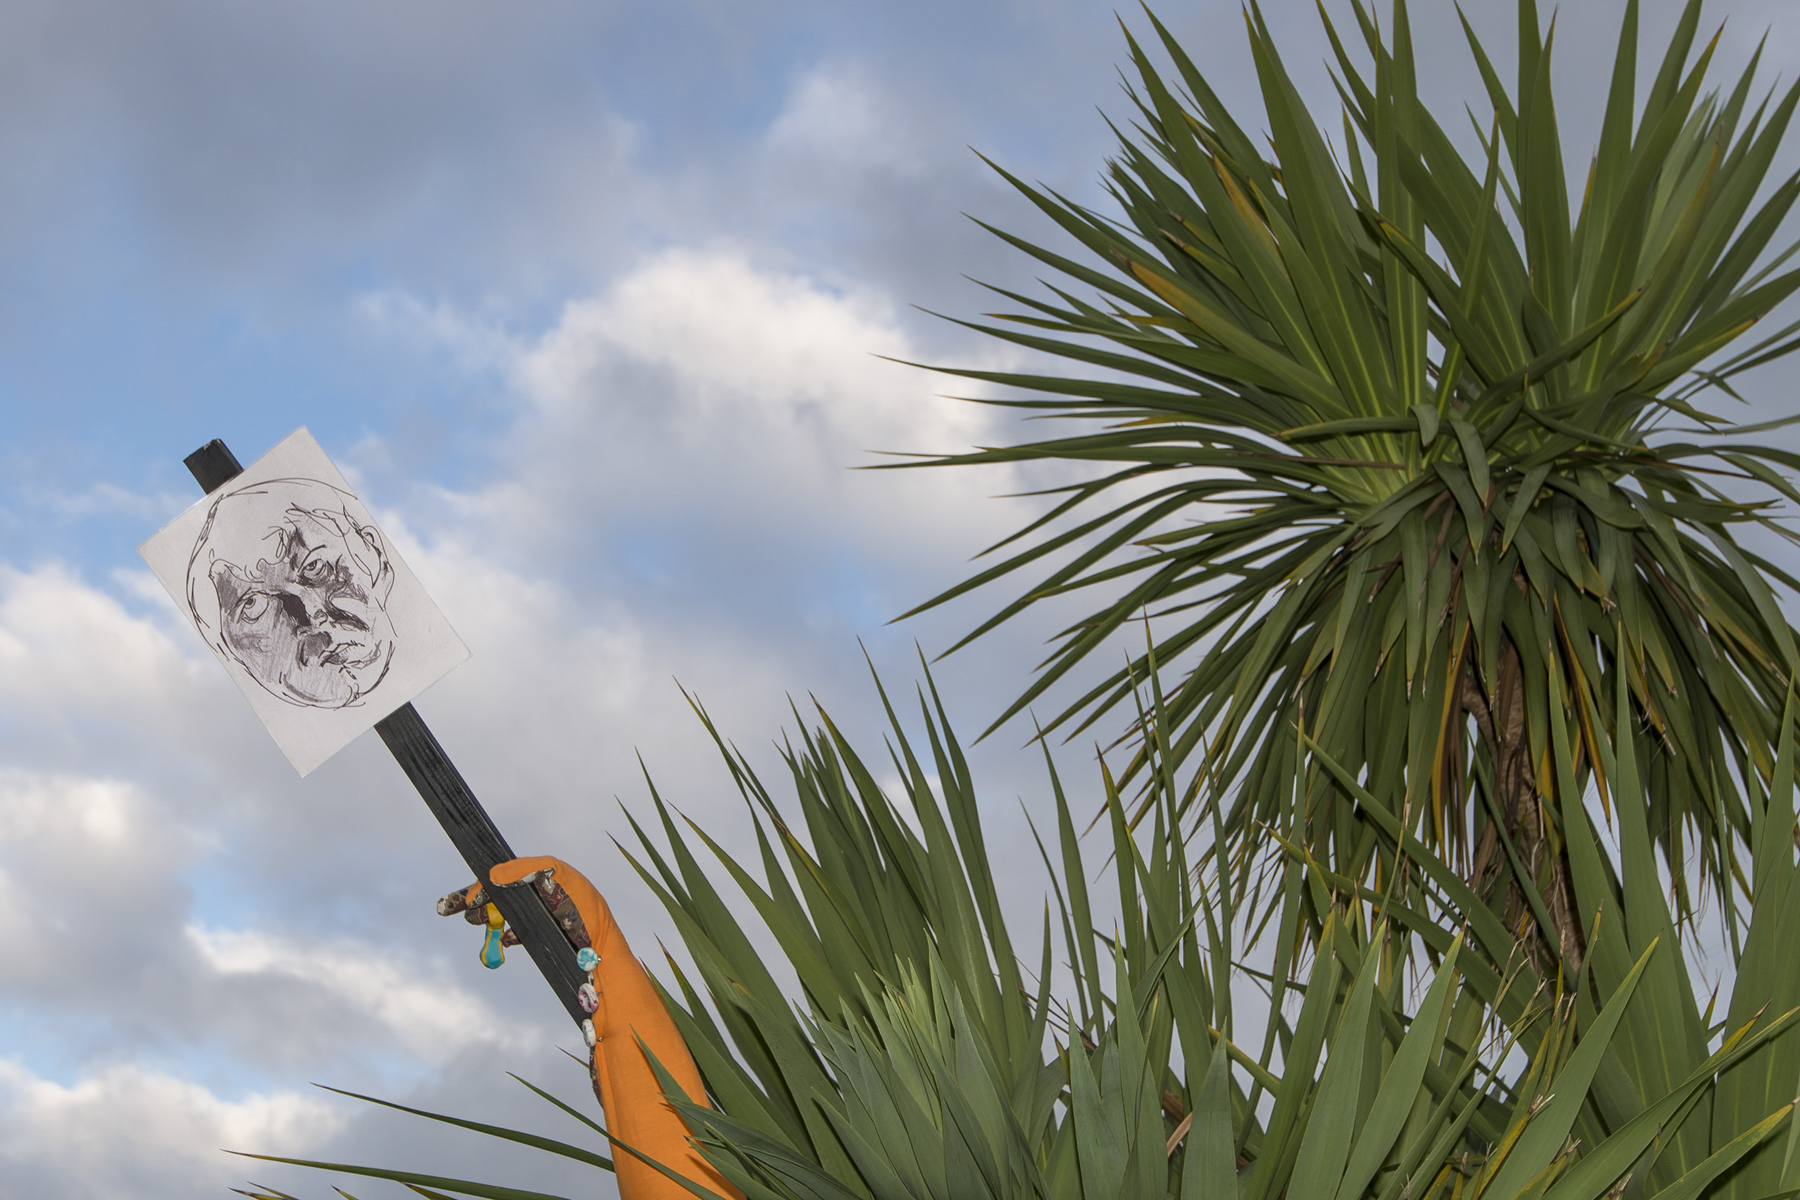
pixel 630 1009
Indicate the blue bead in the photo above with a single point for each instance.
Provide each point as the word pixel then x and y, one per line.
pixel 586 959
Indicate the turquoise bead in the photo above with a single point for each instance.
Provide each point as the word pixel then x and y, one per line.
pixel 586 959
pixel 492 952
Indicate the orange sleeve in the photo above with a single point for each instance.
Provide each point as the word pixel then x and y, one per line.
pixel 630 1009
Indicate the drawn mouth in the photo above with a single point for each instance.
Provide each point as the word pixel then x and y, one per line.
pixel 349 654
pixel 346 654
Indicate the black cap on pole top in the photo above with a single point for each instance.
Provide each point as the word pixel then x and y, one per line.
pixel 213 465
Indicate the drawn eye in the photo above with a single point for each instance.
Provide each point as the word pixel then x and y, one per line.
pixel 314 570
pixel 253 606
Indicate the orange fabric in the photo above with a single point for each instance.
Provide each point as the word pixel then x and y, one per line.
pixel 630 1009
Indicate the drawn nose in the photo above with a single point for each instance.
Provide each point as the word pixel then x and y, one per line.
pixel 297 609
pixel 309 607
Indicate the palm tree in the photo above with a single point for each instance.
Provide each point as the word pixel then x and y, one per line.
pixel 1407 463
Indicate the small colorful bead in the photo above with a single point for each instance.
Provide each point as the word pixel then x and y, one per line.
pixel 586 959
pixel 588 998
pixel 493 949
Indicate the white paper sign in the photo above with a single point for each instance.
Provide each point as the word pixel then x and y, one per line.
pixel 284 574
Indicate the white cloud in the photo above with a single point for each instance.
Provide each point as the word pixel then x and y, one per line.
pixel 92 817
pixel 479 344
pixel 839 117
pixel 84 853
pixel 429 1015
pixel 65 646
pixel 105 499
pixel 731 331
pixel 125 1131
pixel 698 348
pixel 705 392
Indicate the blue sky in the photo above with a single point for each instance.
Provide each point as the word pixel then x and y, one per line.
pixel 587 300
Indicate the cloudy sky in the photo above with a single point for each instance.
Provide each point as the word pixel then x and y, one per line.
pixel 590 300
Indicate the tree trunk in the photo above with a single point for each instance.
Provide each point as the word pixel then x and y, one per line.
pixel 1500 719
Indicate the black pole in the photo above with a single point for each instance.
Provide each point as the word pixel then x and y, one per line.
pixel 471 830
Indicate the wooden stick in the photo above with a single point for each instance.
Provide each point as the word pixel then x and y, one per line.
pixel 471 830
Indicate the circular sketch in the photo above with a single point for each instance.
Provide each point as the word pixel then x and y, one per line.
pixel 294 588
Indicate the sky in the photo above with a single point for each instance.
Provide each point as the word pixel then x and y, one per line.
pixel 598 306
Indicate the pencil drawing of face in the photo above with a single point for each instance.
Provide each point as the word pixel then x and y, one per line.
pixel 287 582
